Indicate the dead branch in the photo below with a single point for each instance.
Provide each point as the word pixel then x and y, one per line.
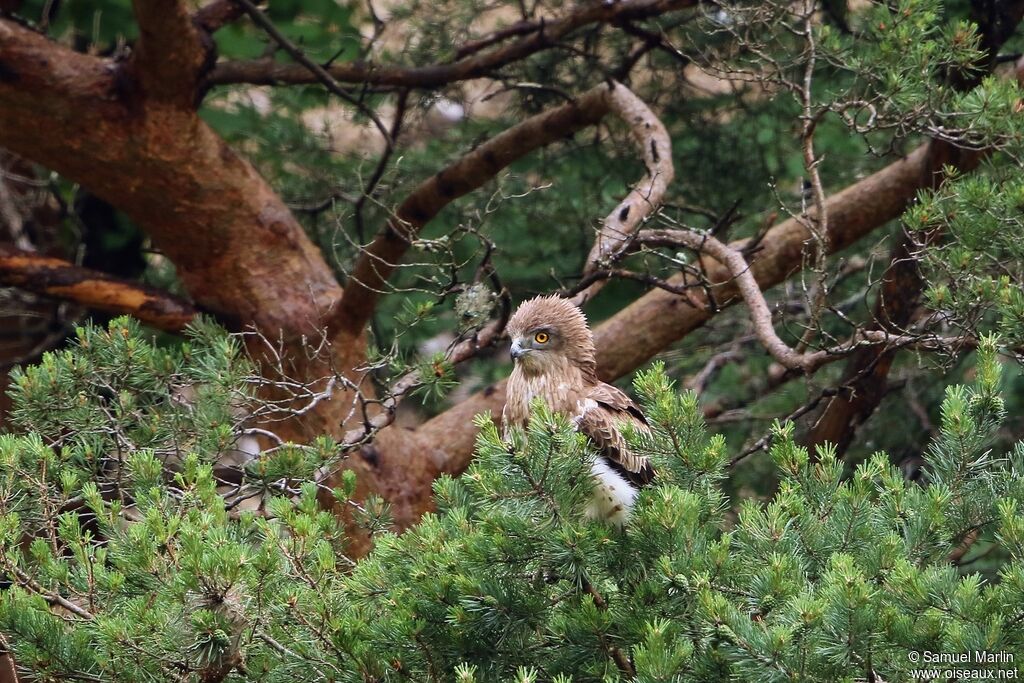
pixel 866 375
pixel 655 147
pixel 54 599
pixel 477 64
pixel 408 383
pixel 322 75
pixel 92 289
pixel 746 284
pixel 519 28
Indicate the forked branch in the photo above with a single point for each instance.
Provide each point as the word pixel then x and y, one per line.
pixel 378 260
pixel 478 63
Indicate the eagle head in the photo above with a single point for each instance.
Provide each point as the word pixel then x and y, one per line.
pixel 547 332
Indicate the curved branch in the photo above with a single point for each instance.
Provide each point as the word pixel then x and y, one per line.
pixel 92 289
pixel 77 115
pixel 655 147
pixel 542 36
pixel 380 258
pixel 746 284
pixel 666 317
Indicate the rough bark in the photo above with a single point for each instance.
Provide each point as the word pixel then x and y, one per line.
pixel 207 209
pixel 92 289
pixel 128 131
pixel 8 669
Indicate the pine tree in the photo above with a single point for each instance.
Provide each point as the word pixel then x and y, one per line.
pixel 126 559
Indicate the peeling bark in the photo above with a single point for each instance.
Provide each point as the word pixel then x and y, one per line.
pixel 93 289
pixel 655 148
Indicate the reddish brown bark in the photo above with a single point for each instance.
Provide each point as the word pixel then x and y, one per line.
pixel 116 128
pixel 128 131
pixel 865 378
pixel 8 672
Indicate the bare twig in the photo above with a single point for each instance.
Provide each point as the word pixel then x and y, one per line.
pixel 320 73
pixel 746 283
pixel 478 62
pixel 378 260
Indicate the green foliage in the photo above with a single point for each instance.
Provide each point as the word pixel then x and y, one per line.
pixel 975 258
pixel 145 572
pixel 132 557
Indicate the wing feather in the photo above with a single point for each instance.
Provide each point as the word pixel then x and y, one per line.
pixel 604 410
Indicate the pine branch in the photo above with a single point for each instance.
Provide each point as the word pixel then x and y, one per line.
pixel 368 278
pixel 52 598
pixel 655 148
pixel 539 36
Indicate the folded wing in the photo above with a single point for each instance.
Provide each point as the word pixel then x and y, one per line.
pixel 603 412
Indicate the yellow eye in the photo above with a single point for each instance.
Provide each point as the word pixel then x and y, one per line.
pixel 541 337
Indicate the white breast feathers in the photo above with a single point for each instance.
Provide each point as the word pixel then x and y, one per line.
pixel 613 497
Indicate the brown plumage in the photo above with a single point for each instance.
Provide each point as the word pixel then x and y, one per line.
pixel 554 355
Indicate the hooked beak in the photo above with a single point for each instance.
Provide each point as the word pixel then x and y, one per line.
pixel 516 350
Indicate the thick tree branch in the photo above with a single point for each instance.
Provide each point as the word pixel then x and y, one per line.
pixel 169 54
pixel 865 378
pixel 655 148
pixel 92 289
pixel 207 209
pixel 665 317
pixel 237 249
pixel 479 63
pixel 369 276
